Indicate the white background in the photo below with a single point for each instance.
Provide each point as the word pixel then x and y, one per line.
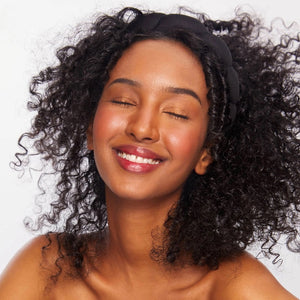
pixel 29 33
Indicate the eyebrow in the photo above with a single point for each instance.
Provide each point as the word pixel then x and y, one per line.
pixel 182 91
pixel 126 81
pixel 169 89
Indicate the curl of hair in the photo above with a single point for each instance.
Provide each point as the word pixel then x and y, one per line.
pixel 251 190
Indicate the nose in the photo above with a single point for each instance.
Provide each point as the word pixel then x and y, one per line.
pixel 143 125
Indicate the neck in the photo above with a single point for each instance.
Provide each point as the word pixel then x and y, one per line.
pixel 132 224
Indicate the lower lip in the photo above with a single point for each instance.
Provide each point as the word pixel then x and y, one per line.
pixel 135 167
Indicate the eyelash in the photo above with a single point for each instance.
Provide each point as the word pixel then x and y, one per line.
pixel 174 115
pixel 178 116
pixel 122 103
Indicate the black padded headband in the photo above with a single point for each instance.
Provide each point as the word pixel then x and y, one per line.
pixel 166 23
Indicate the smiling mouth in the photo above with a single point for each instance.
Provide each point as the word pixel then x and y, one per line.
pixel 138 159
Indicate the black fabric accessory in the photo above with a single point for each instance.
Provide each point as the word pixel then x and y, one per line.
pixel 160 22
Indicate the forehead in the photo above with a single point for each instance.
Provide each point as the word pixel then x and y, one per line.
pixel 164 61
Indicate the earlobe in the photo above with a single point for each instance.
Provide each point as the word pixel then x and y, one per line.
pixel 204 161
pixel 89 137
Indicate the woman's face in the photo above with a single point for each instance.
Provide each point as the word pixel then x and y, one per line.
pixel 151 122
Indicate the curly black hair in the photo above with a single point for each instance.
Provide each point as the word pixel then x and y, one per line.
pixel 250 191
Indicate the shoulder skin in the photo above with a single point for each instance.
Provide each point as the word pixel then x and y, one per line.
pixel 24 278
pixel 245 278
pixel 240 279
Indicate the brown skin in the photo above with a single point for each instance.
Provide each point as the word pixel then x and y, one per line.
pixel 138 203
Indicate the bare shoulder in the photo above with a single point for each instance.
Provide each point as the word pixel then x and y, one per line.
pixel 25 276
pixel 246 278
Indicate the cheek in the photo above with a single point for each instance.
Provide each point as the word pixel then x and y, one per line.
pixel 186 143
pixel 107 123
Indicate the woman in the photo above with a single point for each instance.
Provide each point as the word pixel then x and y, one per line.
pixel 175 142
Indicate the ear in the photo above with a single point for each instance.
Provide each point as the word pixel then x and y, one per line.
pixel 89 137
pixel 204 161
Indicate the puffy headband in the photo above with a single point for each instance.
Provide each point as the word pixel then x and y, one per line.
pixel 166 23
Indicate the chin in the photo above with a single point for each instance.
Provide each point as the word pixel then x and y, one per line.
pixel 143 196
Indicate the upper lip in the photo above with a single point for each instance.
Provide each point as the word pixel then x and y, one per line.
pixel 139 151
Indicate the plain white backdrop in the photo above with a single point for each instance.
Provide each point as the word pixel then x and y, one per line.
pixel 29 33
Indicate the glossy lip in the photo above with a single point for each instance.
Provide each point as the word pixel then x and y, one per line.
pixel 138 151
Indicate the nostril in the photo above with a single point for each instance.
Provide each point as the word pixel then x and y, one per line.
pixel 141 137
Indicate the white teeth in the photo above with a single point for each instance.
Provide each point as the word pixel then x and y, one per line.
pixel 138 159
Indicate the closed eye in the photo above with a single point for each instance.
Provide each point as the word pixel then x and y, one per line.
pixel 121 102
pixel 177 116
